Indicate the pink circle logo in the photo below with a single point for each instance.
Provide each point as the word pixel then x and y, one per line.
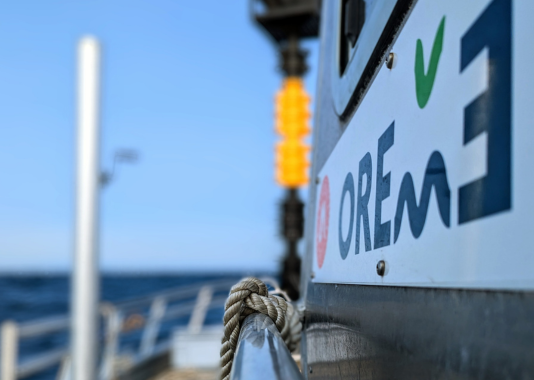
pixel 323 217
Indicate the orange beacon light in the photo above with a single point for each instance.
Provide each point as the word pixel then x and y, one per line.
pixel 292 123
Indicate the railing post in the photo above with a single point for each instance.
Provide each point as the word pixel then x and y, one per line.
pixel 65 369
pixel 199 312
pixel 148 340
pixel 9 350
pixel 113 329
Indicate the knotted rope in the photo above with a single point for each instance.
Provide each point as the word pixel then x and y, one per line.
pixel 251 296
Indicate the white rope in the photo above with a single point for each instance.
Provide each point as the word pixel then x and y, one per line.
pixel 251 296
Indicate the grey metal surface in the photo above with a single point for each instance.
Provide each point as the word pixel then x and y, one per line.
pixel 262 353
pixel 366 332
pixel 377 15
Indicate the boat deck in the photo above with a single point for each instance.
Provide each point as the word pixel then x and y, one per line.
pixel 188 374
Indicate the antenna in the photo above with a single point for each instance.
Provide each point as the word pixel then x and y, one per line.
pixel 124 156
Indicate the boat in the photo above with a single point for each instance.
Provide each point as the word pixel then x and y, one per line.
pixel 417 260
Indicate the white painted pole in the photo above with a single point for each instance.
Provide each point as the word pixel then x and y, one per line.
pixel 85 282
pixel 9 351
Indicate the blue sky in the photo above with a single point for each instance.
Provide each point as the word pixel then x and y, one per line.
pixel 190 85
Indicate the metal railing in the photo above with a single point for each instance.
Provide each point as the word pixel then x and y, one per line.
pixel 12 333
pixel 261 352
pixel 146 313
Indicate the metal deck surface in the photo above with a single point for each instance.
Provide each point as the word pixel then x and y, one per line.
pixel 188 374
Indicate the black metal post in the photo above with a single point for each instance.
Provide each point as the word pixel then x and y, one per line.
pixel 288 22
pixel 292 211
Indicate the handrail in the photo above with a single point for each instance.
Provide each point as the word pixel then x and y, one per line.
pixel 261 352
pixel 173 294
pixel 181 310
pixel 43 326
pixel 37 364
pixel 160 306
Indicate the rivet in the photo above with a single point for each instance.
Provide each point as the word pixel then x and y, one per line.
pixel 312 274
pixel 390 60
pixel 381 268
pixel 317 180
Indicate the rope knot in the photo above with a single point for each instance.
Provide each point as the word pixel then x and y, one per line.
pixel 250 296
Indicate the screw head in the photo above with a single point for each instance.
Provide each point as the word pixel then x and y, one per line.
pixel 391 60
pixel 312 275
pixel 381 268
pixel 317 180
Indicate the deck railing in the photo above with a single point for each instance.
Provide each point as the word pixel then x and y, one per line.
pixel 144 313
pixel 261 352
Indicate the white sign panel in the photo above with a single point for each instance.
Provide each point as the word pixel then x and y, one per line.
pixel 434 175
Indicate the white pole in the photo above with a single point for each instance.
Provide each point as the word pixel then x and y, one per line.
pixel 85 282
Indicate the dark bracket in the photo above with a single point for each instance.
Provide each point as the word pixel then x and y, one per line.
pixel 284 18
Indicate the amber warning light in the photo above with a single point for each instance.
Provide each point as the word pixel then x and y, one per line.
pixel 292 123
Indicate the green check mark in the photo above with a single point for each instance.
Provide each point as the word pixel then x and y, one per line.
pixel 425 82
